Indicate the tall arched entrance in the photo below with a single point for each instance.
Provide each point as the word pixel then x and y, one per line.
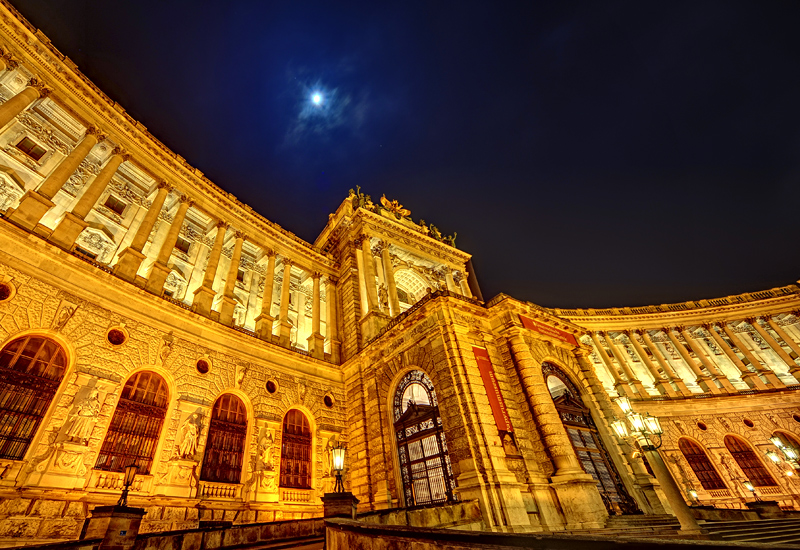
pixel 425 468
pixel 586 441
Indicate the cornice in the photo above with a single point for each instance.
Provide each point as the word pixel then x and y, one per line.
pixel 89 104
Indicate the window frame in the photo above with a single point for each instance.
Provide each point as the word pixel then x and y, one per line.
pixel 28 152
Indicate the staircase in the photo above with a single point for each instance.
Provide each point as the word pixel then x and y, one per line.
pixel 766 531
pixel 660 526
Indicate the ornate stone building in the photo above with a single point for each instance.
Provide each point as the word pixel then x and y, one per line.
pixel 148 317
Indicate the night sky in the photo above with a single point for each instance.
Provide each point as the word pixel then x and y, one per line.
pixel 588 154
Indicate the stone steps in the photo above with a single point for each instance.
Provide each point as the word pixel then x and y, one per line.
pixel 768 531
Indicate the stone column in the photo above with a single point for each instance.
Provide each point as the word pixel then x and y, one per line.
pixel 671 374
pixel 316 342
pixel 330 325
pixel 772 378
pixel 461 280
pixel 228 300
pixel 35 204
pixel 716 375
pixel 448 277
pixel 689 525
pixel 785 337
pixel 662 385
pixel 285 338
pixel 204 295
pixel 131 258
pixel 14 106
pixel 369 275
pixel 72 224
pixel 160 270
pixel 748 377
pixel 577 491
pixel 794 369
pixel 621 387
pixel 388 271
pixel 632 380
pixel 265 319
pixel 703 381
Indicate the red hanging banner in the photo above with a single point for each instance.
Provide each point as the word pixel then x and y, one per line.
pixel 499 410
pixel 547 330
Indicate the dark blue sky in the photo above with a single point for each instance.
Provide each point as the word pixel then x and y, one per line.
pixel 587 153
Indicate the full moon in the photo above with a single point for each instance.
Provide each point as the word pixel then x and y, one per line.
pixel 316 98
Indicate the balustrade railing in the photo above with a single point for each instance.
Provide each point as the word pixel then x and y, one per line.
pixel 294 495
pixel 219 491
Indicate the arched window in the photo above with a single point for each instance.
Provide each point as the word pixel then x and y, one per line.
pixel 748 461
pixel 31 369
pixel 296 451
pixel 421 445
pixel 222 460
pixel 700 464
pixel 788 439
pixel 585 439
pixel 136 425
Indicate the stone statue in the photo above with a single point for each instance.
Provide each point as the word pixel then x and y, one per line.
pixel 327 458
pixel 265 449
pixel 166 348
pixel 435 233
pixel 85 417
pixel 241 372
pixel 725 460
pixel 189 434
pixel 383 297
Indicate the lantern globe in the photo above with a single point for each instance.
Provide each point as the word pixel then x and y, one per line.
pixel 637 422
pixel 653 425
pixel 624 403
pixel 790 452
pixel 130 474
pixel 773 456
pixel 777 441
pixel 749 486
pixel 338 458
pixel 620 428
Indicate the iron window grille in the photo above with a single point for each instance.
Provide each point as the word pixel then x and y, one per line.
pixel 749 462
pixel 296 451
pixel 222 460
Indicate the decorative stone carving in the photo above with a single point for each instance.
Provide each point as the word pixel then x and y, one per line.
pixel 84 418
pixel 78 178
pixel 190 432
pixel 42 133
pixel 266 449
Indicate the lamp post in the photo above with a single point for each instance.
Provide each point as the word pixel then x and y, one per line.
pixel 647 431
pixel 749 486
pixel 337 455
pixel 130 475
pixel 790 454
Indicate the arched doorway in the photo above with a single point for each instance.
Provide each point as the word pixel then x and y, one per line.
pixel 136 425
pixel 701 465
pixel 585 439
pixel 748 461
pixel 425 467
pixel 31 369
pixel 296 451
pixel 223 457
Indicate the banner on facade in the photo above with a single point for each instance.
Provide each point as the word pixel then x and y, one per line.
pixel 547 330
pixel 496 401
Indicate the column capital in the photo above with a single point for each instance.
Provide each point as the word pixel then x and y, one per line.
pixel 222 224
pixel 238 234
pixel 378 249
pixel 186 200
pixel 40 88
pixel 163 184
pixel 119 151
pixel 269 253
pixel 316 275
pixel 330 280
pixel 93 130
pixel 286 262
pixel 710 325
pixel 750 320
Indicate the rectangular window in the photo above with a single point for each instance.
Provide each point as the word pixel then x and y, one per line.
pixel 31 148
pixel 183 245
pixel 115 205
pixel 240 276
pixel 86 253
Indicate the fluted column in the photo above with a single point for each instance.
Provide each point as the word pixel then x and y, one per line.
pixel 702 380
pixel 72 224
pixel 331 322
pixel 369 275
pixel 772 378
pixel 794 369
pixel 388 271
pixel 662 385
pixel 316 342
pixel 204 295
pixel 748 377
pixel 228 301
pixel 160 270
pixel 622 387
pixel 671 374
pixel 460 279
pixel 716 375
pixel 286 325
pixel 576 490
pixel 35 204
pixel 131 258
pixel 21 101
pixel 265 319
pixel 448 277
pixel 794 346
pixel 632 380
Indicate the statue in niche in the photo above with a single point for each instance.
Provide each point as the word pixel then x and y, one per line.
pixel 190 431
pixel 327 457
pixel 241 372
pixel 266 446
pixel 66 313
pixel 84 418
pixel 167 342
pixel 725 460
pixel 383 297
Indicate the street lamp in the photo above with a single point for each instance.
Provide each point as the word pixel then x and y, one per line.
pixel 749 486
pixel 130 475
pixel 337 454
pixel 647 430
pixel 693 496
pixel 789 453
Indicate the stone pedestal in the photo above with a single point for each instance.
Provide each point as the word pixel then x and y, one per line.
pixel 116 525
pixel 339 505
pixel 336 351
pixel 157 278
pixel 372 323
pixel 180 479
pixel 226 310
pixel 203 300
pixel 285 337
pixel 316 345
pixel 580 501
pixel 264 325
pixel 32 207
pixel 63 470
pixel 267 489
pixel 67 231
pixel 128 265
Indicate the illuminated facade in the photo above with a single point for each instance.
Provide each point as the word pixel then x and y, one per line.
pixel 147 317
